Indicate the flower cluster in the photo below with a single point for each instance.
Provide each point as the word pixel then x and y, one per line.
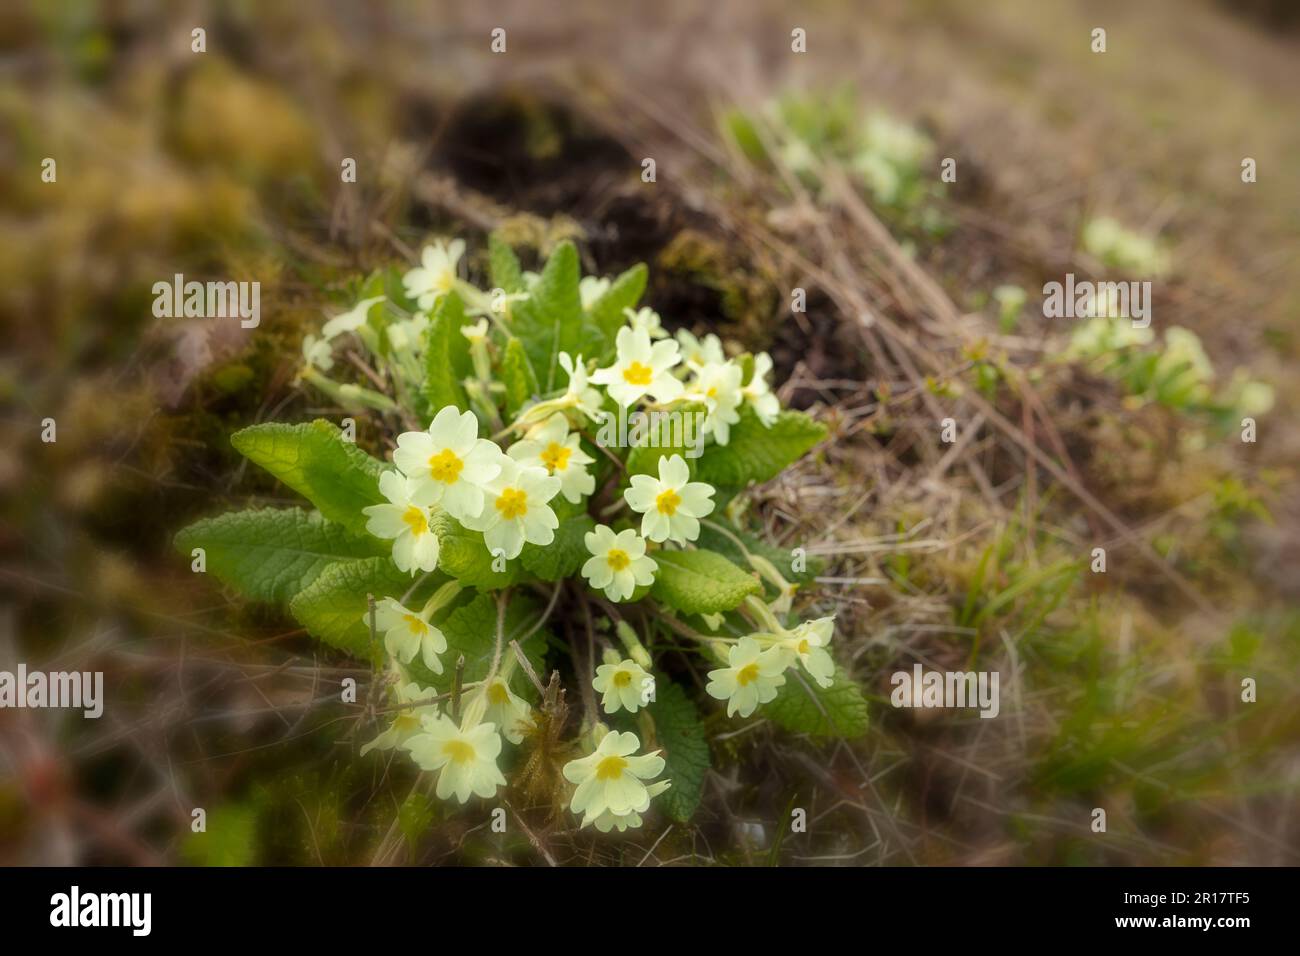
pixel 756 664
pixel 506 462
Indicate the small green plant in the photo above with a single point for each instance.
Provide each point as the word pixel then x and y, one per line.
pixel 885 154
pixel 1175 373
pixel 1122 248
pixel 1010 300
pixel 560 481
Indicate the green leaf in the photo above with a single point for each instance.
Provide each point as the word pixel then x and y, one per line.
pixel 756 453
pixel 471 629
pixel 781 558
pixel 503 266
pixel 623 293
pixel 446 355
pixel 395 289
pixel 333 607
pixel 666 435
pixel 269 554
pixel 549 321
pixel 742 131
pixel 686 751
pixel 700 582
pixel 568 552
pixel 836 711
pixel 518 378
pixel 314 460
pixel 746 362
pixel 463 554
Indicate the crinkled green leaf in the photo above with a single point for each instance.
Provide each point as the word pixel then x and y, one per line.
pixel 686 751
pixel 550 320
pixel 700 582
pixel 666 434
pixel 782 559
pixel 446 355
pixel 802 706
pixel 606 313
pixel 463 554
pixel 333 607
pixel 517 376
pixel 271 554
pixel 756 453
pixel 503 266
pixel 314 460
pixel 568 552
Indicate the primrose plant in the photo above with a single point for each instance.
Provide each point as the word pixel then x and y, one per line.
pixel 808 132
pixel 516 530
pixel 1174 372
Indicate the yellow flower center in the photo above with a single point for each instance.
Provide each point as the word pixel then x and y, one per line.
pixel 622 678
pixel 667 502
pixel 611 768
pixel 414 623
pixel 803 646
pixel 497 693
pixel 617 558
pixel 414 519
pixel 638 374
pixel 747 675
pixel 458 751
pixel 512 504
pixel 712 392
pixel 445 466
pixel 556 457
pixel 406 721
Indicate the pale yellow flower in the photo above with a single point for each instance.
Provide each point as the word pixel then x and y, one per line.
pixel 618 562
pixel 465 757
pixel 415 546
pixel 671 505
pixel 751 677
pixel 621 685
pixel 641 369
pixel 613 778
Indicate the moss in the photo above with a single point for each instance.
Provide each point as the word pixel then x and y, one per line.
pixel 235 121
pixel 747 296
pixel 233 377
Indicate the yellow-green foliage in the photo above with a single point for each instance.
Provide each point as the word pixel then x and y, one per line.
pixel 803 131
pixel 1174 372
pixel 1122 248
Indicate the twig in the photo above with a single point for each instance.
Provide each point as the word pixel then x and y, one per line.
pixel 456 686
pixel 527 666
pixel 532 838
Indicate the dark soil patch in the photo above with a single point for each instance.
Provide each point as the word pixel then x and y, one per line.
pixel 538 156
